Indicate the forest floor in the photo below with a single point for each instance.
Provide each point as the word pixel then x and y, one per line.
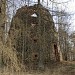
pixel 62 68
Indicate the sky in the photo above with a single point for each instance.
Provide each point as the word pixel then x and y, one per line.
pixel 71 9
pixel 66 5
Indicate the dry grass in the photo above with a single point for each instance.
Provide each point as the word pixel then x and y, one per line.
pixel 9 57
pixel 47 72
pixel 13 68
pixel 60 70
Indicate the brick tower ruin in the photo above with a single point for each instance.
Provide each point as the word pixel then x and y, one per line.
pixel 33 35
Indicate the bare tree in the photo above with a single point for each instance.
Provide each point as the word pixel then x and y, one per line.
pixel 63 28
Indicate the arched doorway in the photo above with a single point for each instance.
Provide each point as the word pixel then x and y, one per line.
pixel 57 57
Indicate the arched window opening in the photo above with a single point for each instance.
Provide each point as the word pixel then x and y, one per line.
pixel 56 52
pixel 34 19
pixel 35 40
pixel 36 55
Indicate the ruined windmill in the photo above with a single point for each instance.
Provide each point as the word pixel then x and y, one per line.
pixel 32 34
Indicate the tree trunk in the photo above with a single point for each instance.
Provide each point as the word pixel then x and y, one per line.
pixel 38 1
